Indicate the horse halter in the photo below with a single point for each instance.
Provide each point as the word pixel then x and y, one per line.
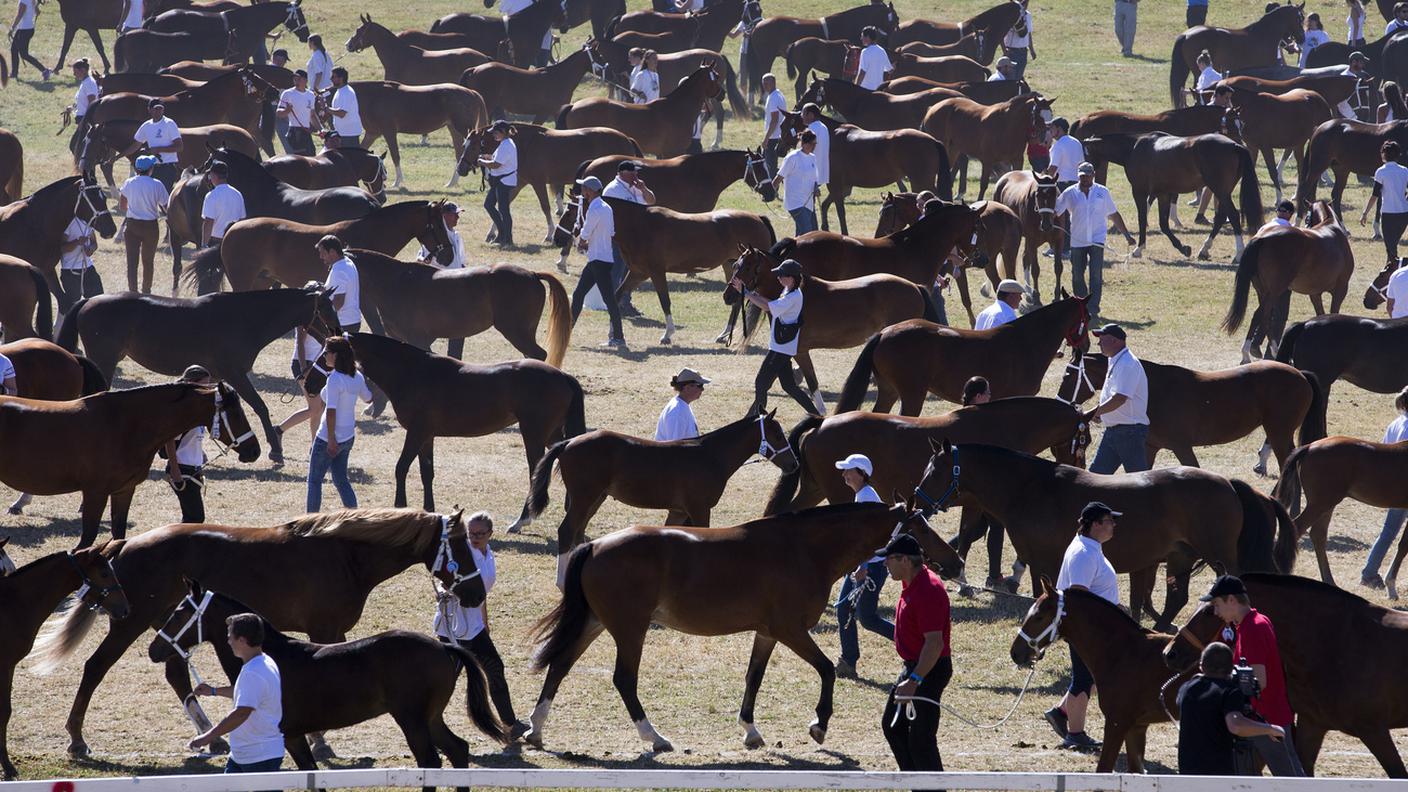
pixel 1082 380
pixel 751 162
pixel 576 203
pixel 295 21
pixel 221 419
pixel 103 592
pixel 1043 639
pixel 85 200
pixel 196 620
pixel 767 450
pixel 445 558
pixel 1040 188
pixel 941 503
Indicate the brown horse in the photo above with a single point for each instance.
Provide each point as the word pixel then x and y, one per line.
pixel 437 396
pixel 704 581
pixel 1184 121
pixel 912 359
pixel 236 97
pixel 1125 660
pixel 674 67
pixel 277 76
pixel 1333 88
pixel 951 68
pixel 1346 147
pixel 145 83
pixel 843 313
pixel 266 196
pixel 104 142
pixel 240 29
pixel 1181 516
pixel 693 182
pixel 89 16
pixel 966 46
pixel 1318 627
pixel 1263 122
pixel 106 442
pixel 991 25
pixel 312 574
pixel 390 109
pixel 772 35
pixel 1233 49
pixel 549 158
pixel 670 42
pixel 662 127
pixel 874 110
pixel 32 228
pixel 811 53
pixel 598 12
pixel 1371 353
pixel 1281 260
pixel 685 477
pixel 995 135
pixel 1190 408
pixel 538 93
pixel 348 166
pixel 709 27
pixel 1336 53
pixel 1032 197
pixel 31 594
pixel 981 92
pixel 262 251
pixel 522 33
pixel 438 41
pixel 11 167
pixel 409 64
pixel 23 289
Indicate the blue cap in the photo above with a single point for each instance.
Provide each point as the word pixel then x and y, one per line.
pixel 145 163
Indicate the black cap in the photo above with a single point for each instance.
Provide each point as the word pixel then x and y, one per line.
pixel 1095 510
pixel 904 544
pixel 155 102
pixel 219 168
pixel 1286 206
pixel 1224 586
pixel 789 267
pixel 499 126
pixel 1111 329
pixel 628 165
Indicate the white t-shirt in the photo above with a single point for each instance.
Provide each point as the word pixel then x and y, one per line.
pixel 27 18
pixel 506 155
pixel 995 315
pixel 1066 154
pixel 676 421
pixel 135 14
pixel 874 62
pixel 867 494
pixel 146 197
pixel 1397 290
pixel 1273 224
pixel 468 622
pixel 510 7
pixel 598 228
pixel 1354 26
pixel 77 258
pixel 259 687
pixel 1126 376
pixel 618 188
pixel 786 309
pixel 645 86
pixel 86 94
pixel 456 243
pixel 1313 39
pixel 798 172
pixel 1208 78
pixel 822 152
pixel 1014 41
pixel 1394 180
pixel 350 125
pixel 312 349
pixel 159 133
pixel 7 372
pixel 188 448
pixel 341 394
pixel 300 105
pixel 1087 212
pixel 1085 565
pixel 319 70
pixel 1394 26
pixel 776 103
pixel 1397 431
pixel 997 76
pixel 225 206
pixel 343 279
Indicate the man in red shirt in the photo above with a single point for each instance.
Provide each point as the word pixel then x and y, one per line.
pixel 922 620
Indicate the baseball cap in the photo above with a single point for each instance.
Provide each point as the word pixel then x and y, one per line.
pixel 688 375
pixel 904 544
pixel 1085 169
pixel 789 267
pixel 629 165
pixel 590 183
pixel 144 163
pixel 1004 61
pixel 155 102
pixel 1111 329
pixel 195 373
pixel 859 462
pixel 1223 586
pixel 451 207
pixel 1357 55
pixel 1009 286
pixel 499 126
pixel 1095 510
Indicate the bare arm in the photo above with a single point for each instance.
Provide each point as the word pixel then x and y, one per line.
pixel 206 226
pixel 1114 403
pixel 1122 228
pixel 233 721
pixel 1242 726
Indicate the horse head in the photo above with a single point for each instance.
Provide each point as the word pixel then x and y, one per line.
pixel 1044 195
pixel 815 93
pixel 1077 337
pixel 791 128
pixel 892 18
pixel 361 37
pixel 566 229
pixel 1204 627
pixel 100 588
pixel 230 427
pixel 376 185
pixel 453 564
pixel 1041 626
pixel 295 22
pixel 939 555
pixel 750 269
pixel 772 443
pixel 755 175
pixel 1232 124
pixel 890 210
pixel 323 321
pixel 941 475
pixel 91 206
pixel 1377 293
pixel 434 236
pixel 254 85
pixel 471 150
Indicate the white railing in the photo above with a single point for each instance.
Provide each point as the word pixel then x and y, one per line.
pixel 528 778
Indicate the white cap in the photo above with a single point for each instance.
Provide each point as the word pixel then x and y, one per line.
pixel 859 462
pixel 1009 286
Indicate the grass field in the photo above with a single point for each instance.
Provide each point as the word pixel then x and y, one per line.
pixel 690 686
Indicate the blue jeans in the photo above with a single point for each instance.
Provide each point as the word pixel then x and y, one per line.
pixel 864 612
pixel 804 219
pixel 319 464
pixel 1019 62
pixel 266 766
pixel 1393 523
pixel 281 129
pixel 1092 258
pixel 1122 444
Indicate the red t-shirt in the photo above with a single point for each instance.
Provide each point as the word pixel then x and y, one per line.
pixel 923 608
pixel 1256 641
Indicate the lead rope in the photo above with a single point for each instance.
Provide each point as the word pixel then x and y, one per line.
pixel 911 712
pixel 445 598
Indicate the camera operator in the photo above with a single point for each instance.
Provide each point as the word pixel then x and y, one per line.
pixel 1212 711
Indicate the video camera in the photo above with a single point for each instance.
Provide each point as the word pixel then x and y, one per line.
pixel 1246 680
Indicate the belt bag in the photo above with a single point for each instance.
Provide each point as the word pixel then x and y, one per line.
pixel 786 333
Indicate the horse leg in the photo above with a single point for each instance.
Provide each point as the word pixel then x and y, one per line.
pixel 757 666
pixel 541 189
pixel 662 291
pixel 1184 453
pixel 1276 327
pixel 573 528
pixel 1319 536
pixel 630 641
pixel 410 449
pixel 1141 588
pixel 94 503
pixel 69 32
pixel 1164 202
pixel 1319 303
pixel 121 634
pixel 841 215
pixel 1113 740
pixel 121 505
pixel 1391 578
pixel 1309 737
pixel 1141 209
pixel 535 436
pixel 1178 571
pixel 826 209
pixel 246 390
pixel 1134 743
pixel 417 733
pixel 962 277
pixel 803 646
pixel 717 107
pixel 1219 216
pixel 427 473
pixel 298 751
pixel 557 671
pixel 395 149
pixel 804 362
pixel 1272 170
pixel 1380 744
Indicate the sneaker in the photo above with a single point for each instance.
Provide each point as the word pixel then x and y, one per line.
pixel 47 74
pixel 1079 741
pixel 845 669
pixel 1057 718
pixel 1374 581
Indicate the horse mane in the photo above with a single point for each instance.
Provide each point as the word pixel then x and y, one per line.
pixel 988 16
pixel 1305 584
pixel 1116 612
pixel 831 510
pixel 37 565
pixel 51 188
pixel 922 225
pixel 392 527
pixel 378 259
pixel 715 432
pixel 1014 402
pixel 184 387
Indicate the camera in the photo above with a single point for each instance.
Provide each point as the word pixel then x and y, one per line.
pixel 1246 680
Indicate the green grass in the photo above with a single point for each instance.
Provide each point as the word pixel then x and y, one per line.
pixel 690 686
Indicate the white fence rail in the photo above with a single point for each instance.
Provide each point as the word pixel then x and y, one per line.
pixel 529 778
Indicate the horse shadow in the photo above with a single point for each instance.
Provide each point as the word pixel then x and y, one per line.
pixel 1186 263
pixel 54 528
pixel 649 759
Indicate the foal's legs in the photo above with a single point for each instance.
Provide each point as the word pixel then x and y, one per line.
pixel 1391 579
pixel 1164 202
pixel 802 644
pixel 395 149
pixel 804 362
pixel 121 634
pixel 535 434
pixel 752 680
pixel 541 190
pixel 94 503
pixel 455 748
pixel 630 641
pixel 417 733
pixel 1317 519
pixel 410 449
pixel 1380 744
pixel 1309 737
pixel 1220 216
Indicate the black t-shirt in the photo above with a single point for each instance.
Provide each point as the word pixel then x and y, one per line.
pixel 1204 743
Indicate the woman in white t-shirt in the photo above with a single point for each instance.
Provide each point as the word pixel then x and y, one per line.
pixel 869 577
pixel 676 421
pixel 1388 200
pixel 1397 432
pixel 503 178
pixel 21 32
pixel 319 66
pixel 645 84
pixel 786 312
pixel 1315 35
pixel 1355 23
pixel 333 443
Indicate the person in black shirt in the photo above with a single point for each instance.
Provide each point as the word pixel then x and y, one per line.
pixel 1211 708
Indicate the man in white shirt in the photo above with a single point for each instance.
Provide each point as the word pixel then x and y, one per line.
pixel 874 63
pixel 595 238
pixel 628 185
pixel 798 178
pixel 346 115
pixel 1017 44
pixel 811 116
pixel 77 275
pixel 185 459
pixel 86 95
pixel 774 111
pixel 1067 154
pixel 256 744
pixel 1004 309
pixel 1087 205
pixel 344 284
pixel 161 137
pixel 143 201
pixel 1123 407
pixel 1005 69
pixel 676 421
pixel 450 213
pixel 1084 568
pixel 222 208
pixel 1358 68
pixel 296 106
pixel 1396 293
pixel 1285 210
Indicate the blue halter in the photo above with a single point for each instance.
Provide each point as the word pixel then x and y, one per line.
pixel 930 504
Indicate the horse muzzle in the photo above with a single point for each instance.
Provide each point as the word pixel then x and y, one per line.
pixel 248 451
pixel 1024 655
pixel 785 460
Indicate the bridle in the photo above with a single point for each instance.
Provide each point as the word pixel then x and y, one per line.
pixel 221 419
pixel 196 620
pixel 103 592
pixel 1043 639
pixel 751 163
pixel 445 558
pixel 738 267
pixel 1077 333
pixel 575 202
pixel 429 230
pixel 378 179
pixel 941 503
pixel 295 21
pixel 1040 188
pixel 85 200
pixel 767 450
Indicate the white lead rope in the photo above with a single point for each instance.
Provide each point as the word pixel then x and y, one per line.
pixel 911 712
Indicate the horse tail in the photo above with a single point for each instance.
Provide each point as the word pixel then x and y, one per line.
pixel 62 635
pixel 1313 426
pixel 559 318
pixel 1284 553
pixel 943 185
pixel 772 233
pixel 1242 286
pixel 4 72
pixel 93 379
pixel 735 96
pixel 1252 215
pixel 205 271
pixel 1177 73
pixel 931 311
pixel 1287 349
pixel 1258 534
pixel 782 248
pixel 476 695
pixel 858 382
pixel 788 483
pixel 576 412
pixel 1287 490
pixel 562 115
pixel 559 632
pixel 43 304
pixel 68 330
pixel 538 495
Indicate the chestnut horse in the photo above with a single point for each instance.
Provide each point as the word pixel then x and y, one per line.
pixel 981 92
pixel 538 93
pixel 409 64
pixel 662 127
pixel 995 135
pixel 11 167
pixel 32 228
pixel 1334 88
pixel 951 68
pixel 1346 147
pixel 772 35
pixel 703 581
pixel 874 110
pixel 236 97
pixel 684 477
pixel 390 109
pixel 1257 44
pixel 1032 197
pixel 674 67
pixel 1368 352
pixel 348 166
pixel 1263 122
pixel 104 142
pixel 1186 121
pixel 912 359
pixel 1281 260
pixel 23 289
pixel 991 25
pixel 966 46
pixel 1317 628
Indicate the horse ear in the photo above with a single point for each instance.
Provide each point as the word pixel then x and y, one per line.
pixel 772 415
pixel 1046 586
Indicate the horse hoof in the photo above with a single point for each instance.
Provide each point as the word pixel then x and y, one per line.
pixel 78 749
pixel 1392 590
pixel 1259 469
pixel 534 738
pixel 723 338
pixel 322 752
pixel 665 340
pixel 817 732
pixel 754 741
pixel 1010 584
pixel 662 745
pixel 1204 256
pixel 276 457
pixel 15 510
pixel 1185 251
pixel 967 591
pixel 518 526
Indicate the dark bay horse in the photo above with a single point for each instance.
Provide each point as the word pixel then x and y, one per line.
pixel 238 32
pixel 1318 628
pixel 1180 516
pixel 538 93
pixel 105 443
pixel 31 594
pixel 32 228
pixel 912 359
pixel 312 574
pixel 991 25
pixel 505 297
pixel 662 127
pixel 89 16
pixel 1190 408
pixel 1345 147
pixel 390 109
pixel 598 12
pixel 1264 122
pixel 981 92
pixel 338 167
pixel 692 182
pixel 874 110
pixel 144 50
pixel 234 97
pixel 1233 49
pixel 266 196
pixel 1125 659
pixel 1032 197
pixel 523 32
pixel 704 581
pixel 1183 121
pixel 709 27
pixel 1284 260
pixel 223 332
pixel 772 35
pixel 966 46
pixel 407 675
pixel 26 305
pixel 103 142
pixel 684 477
pixel 11 167
pixel 995 135
pixel 949 68
pixel 1368 352
pixel 409 64
pixel 813 53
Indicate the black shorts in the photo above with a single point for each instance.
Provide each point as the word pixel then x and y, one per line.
pixel 314 382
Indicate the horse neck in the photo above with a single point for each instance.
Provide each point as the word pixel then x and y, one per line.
pixel 385 42
pixel 262 17
pixel 401 218
pixel 723 167
pixel 848 93
pixel 375 563
pixel 162 420
pixel 1098 630
pixel 283 310
pixel 577 63
pixel 1048 325
pixel 1267 23
pixel 692 92
pixel 1000 477
pixel 33 592
pixel 840 543
pixel 54 209
pixel 254 180
pixel 732 444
